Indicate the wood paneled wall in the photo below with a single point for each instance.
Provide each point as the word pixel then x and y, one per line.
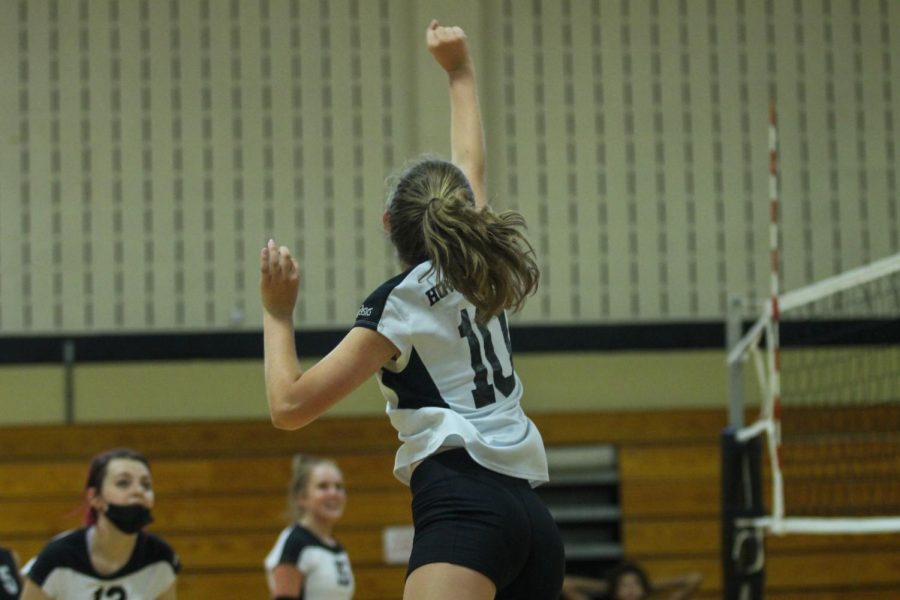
pixel 221 499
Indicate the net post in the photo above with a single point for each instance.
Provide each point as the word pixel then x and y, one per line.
pixel 743 547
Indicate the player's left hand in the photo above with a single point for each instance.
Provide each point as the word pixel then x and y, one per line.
pixel 279 280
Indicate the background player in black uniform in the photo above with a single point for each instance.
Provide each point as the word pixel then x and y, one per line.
pixel 436 336
pixel 306 560
pixel 111 558
pixel 10 585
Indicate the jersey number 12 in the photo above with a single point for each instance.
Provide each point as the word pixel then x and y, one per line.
pixel 115 592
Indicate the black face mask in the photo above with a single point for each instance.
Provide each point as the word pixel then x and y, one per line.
pixel 128 518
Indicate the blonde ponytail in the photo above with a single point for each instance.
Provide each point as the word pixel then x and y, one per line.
pixel 483 255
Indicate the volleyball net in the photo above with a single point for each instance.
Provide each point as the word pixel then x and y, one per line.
pixel 823 454
pixel 829 385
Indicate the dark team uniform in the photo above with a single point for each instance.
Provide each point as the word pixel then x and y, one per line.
pixel 326 568
pixel 63 570
pixel 469 453
pixel 10 586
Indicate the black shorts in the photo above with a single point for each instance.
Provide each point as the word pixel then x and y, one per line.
pixel 467 515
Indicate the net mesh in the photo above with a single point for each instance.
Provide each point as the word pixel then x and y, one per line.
pixel 840 382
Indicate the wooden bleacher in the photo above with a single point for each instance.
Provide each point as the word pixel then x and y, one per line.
pixel 221 500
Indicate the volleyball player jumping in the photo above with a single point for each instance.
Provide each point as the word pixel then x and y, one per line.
pixel 437 338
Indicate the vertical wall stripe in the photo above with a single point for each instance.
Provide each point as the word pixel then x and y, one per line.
pixel 715 90
pixel 115 104
pixel 600 150
pixel 238 141
pixel 268 150
pixel 55 165
pixel 748 123
pixel 209 192
pixel 862 174
pixel 298 162
pixel 177 126
pixel 890 150
pixel 571 161
pixel 356 123
pixel 87 248
pixel 659 159
pixel 148 204
pixel 803 164
pixel 540 136
pixel 24 106
pixel 831 108
pixel 687 149
pixel 386 42
pixel 510 113
pixel 328 157
pixel 771 51
pixel 630 191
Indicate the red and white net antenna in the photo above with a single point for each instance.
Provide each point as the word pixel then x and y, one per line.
pixel 774 437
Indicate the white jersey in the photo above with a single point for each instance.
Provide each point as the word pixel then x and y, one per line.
pixel 326 568
pixel 63 570
pixel 453 384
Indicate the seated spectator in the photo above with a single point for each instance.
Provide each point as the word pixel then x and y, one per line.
pixel 628 581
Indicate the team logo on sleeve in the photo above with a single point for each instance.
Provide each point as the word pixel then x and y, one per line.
pixel 364 311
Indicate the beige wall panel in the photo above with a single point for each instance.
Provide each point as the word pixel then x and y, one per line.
pixel 198 390
pixel 622 380
pixel 187 391
pixel 32 395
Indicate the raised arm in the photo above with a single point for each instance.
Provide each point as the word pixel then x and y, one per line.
pixel 679 587
pixel 297 397
pixel 450 49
